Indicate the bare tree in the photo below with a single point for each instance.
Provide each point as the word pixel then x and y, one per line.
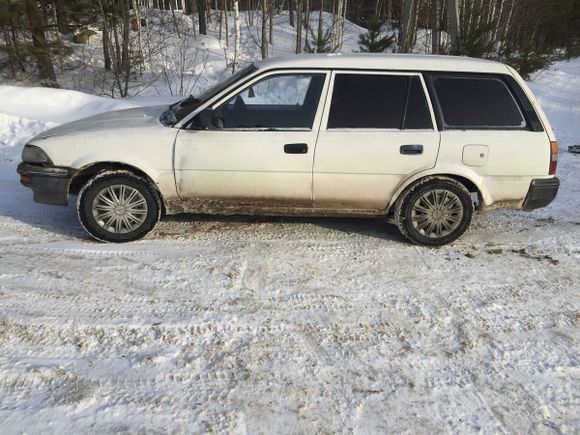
pixel 189 7
pixel 434 24
pixel 453 14
pixel 341 11
pixel 264 40
pixel 299 25
pixel 238 43
pixel 174 19
pixel 227 29
pixel 202 11
pixel 291 12
pixel 182 64
pixel 40 44
pixel 406 35
pixel 271 21
pixel 306 22
pixel 105 35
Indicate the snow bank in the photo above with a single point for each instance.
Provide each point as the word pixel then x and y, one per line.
pixel 25 112
pixel 54 105
pixel 558 91
pixel 15 131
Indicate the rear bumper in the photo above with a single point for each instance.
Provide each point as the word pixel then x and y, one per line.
pixel 49 184
pixel 541 193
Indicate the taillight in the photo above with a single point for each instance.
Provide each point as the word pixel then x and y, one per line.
pixel 553 157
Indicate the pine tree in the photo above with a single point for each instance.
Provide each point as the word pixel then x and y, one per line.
pixel 322 40
pixel 374 41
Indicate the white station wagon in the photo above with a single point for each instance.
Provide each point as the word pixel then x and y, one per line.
pixel 421 140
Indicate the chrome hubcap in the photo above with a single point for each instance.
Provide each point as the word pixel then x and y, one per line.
pixel 119 209
pixel 437 213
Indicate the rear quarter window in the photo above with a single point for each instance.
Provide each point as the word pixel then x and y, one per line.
pixel 477 102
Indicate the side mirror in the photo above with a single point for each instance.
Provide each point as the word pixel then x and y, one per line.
pixel 207 120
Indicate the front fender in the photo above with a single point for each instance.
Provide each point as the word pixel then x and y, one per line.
pixel 164 179
pixel 148 149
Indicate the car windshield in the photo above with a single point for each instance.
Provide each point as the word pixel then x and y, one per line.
pixel 177 111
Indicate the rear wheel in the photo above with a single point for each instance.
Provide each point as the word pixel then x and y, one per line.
pixel 118 206
pixel 435 211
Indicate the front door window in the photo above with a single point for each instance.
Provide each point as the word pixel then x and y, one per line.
pixel 280 102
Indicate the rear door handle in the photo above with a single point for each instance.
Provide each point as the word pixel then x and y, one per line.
pixel 296 148
pixel 411 149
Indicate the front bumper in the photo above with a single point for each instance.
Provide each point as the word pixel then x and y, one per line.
pixel 542 192
pixel 49 185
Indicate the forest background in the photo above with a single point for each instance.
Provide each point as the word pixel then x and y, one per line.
pixel 121 47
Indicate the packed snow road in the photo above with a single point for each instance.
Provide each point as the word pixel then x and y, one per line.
pixel 289 325
pixel 272 325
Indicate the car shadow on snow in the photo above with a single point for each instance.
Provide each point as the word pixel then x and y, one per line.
pixel 17 204
pixel 289 227
pixel 53 219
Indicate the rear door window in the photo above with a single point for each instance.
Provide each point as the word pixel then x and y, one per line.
pixel 477 102
pixel 378 101
pixel 417 115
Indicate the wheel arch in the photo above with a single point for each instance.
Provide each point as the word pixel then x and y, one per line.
pixel 467 180
pixel 86 172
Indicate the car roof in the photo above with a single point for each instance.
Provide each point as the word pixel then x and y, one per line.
pixel 381 61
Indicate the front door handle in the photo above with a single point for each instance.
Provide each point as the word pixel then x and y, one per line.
pixel 296 148
pixel 411 149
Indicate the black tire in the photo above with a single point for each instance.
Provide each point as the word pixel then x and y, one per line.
pixel 440 224
pixel 150 212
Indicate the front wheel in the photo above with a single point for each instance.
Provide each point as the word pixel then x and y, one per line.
pixel 118 206
pixel 434 211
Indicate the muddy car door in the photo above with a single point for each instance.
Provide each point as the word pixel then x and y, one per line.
pixel 377 130
pixel 257 149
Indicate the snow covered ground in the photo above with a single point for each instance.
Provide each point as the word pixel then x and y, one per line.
pixel 279 325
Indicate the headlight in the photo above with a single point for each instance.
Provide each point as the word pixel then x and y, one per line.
pixel 33 154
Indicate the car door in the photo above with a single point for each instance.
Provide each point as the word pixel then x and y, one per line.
pixel 378 129
pixel 260 154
